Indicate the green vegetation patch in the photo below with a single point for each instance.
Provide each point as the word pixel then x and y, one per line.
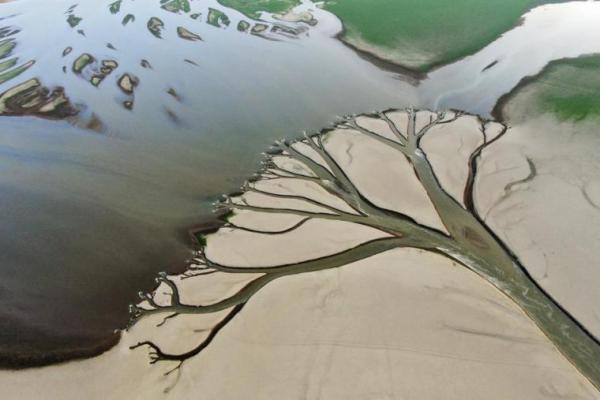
pixel 82 61
pixel 73 20
pixel 217 18
pixel 127 19
pixel 253 8
pixel 176 6
pixel 201 238
pixel 155 26
pixel 6 46
pixel 570 88
pixel 420 34
pixel 8 64
pixel 115 7
pixel 10 74
pixel 417 34
pixel 243 26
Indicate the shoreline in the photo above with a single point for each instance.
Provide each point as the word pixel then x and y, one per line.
pixel 498 111
pixel 386 65
pixel 417 73
pixel 25 361
pixel 421 73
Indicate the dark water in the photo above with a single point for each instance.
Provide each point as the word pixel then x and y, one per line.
pixel 88 216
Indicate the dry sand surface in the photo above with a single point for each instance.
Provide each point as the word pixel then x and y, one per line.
pixel 401 325
pixel 552 221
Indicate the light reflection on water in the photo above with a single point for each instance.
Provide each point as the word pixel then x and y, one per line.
pixel 89 216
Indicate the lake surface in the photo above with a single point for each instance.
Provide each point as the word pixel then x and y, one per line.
pixel 92 207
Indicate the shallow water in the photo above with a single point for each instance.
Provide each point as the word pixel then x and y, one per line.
pixel 90 215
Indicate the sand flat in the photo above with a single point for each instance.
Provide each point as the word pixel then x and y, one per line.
pixel 404 324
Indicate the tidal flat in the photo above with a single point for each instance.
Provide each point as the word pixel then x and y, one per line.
pixel 120 136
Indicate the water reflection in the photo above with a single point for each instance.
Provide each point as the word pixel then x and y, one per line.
pixel 157 126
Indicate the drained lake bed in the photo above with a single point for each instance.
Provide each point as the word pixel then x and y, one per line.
pixel 165 110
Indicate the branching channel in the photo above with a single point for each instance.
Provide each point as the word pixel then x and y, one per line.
pixel 307 180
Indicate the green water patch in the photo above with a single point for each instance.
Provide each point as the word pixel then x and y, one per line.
pixel 421 34
pixel 253 8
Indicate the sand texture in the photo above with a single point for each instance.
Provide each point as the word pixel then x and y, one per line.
pixel 356 266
